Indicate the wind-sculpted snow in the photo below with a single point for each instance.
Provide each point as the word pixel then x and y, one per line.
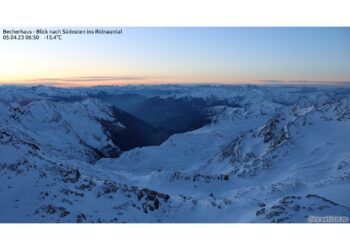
pixel 265 154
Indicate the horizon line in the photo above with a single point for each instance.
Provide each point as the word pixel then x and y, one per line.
pixel 256 82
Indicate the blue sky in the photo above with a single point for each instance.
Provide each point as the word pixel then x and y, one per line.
pixel 181 55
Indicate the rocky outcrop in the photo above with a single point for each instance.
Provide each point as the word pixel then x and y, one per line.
pixel 299 208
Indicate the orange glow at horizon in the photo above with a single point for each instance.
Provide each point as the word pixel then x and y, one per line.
pixel 115 80
pixel 120 81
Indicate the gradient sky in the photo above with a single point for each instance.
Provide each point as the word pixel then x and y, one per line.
pixel 181 55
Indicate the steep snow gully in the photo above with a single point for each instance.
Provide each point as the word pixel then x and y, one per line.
pixel 175 153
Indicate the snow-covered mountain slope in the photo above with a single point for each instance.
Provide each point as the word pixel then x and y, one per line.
pixel 269 154
pixel 60 129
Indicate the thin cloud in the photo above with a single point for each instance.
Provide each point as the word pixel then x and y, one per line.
pixel 90 79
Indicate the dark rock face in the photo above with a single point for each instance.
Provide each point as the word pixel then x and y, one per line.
pixel 68 192
pixel 272 134
pixel 268 130
pixel 281 136
pixel 342 110
pixel 150 200
pixel 52 210
pixel 81 218
pixel 86 184
pixel 68 174
pixel 232 150
pixel 108 187
pixel 110 151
